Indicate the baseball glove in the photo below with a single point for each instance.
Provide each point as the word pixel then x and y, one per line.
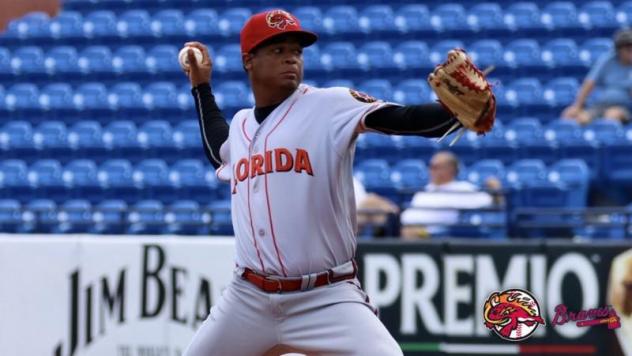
pixel 463 90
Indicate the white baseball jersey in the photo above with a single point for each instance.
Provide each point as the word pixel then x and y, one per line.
pixel 293 207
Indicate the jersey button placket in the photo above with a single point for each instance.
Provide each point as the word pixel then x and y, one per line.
pixel 255 189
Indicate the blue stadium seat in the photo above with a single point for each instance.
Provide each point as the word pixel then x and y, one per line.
pixel 168 23
pixel 50 138
pixel 229 59
pixel 412 54
pixel 523 53
pixel 594 48
pixel 486 53
pixel 575 174
pixel 156 138
pixel 413 18
pixel 91 97
pixel 376 145
pixel 375 174
pixel 202 22
pixel 523 16
pixel 311 17
pixel 486 16
pixel 116 179
pixel 572 144
pixel 439 52
pixel 416 147
pixel 163 59
pixel 376 55
pixel 378 88
pixel 339 55
pixel 624 13
pixel 616 157
pixel 561 92
pixel 96 60
pixel 495 146
pixel 311 58
pixel 14 183
pixel 57 97
pixel 185 217
pixel 232 94
pixel 16 139
pixel 127 96
pixel 189 177
pixel 377 18
pixel 147 217
pixel 110 217
pixel 162 96
pixel 481 171
pixel 121 138
pixel 86 137
pixel 151 176
pixel 232 20
pixel 22 97
pixel 68 24
pixel 41 216
pixel 80 177
pixel 560 15
pixel 221 220
pixel 134 23
pixel 598 15
pixel 5 62
pixel 185 100
pixel 604 132
pixel 62 60
pixel 449 17
pixel 526 172
pixel 100 24
pixel 31 26
pixel 129 59
pixel 561 52
pixel 187 138
pixel 524 91
pixel 10 215
pixel 409 176
pixel 45 176
pixel 28 60
pixel 412 91
pixel 74 216
pixel 341 19
pixel 527 134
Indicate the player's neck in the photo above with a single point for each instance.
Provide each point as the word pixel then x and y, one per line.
pixel 266 97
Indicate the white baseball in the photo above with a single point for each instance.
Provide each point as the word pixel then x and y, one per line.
pixel 183 56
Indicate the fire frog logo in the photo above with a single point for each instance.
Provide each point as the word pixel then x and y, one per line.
pixel 513 314
pixel 279 19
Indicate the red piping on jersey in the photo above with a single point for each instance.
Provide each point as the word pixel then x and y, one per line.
pixel 265 148
pixel 252 227
pixel 243 128
pixel 219 170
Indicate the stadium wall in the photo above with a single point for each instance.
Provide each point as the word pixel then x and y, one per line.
pixel 124 296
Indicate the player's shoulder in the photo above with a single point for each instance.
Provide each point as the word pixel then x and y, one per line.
pixel 338 93
pixel 240 116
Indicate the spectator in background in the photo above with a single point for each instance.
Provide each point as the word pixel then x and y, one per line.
pixel 373 211
pixel 432 211
pixel 611 76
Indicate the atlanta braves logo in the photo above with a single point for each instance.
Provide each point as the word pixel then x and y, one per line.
pixel 279 19
pixel 513 314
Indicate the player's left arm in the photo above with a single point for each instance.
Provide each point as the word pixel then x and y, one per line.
pixel 428 120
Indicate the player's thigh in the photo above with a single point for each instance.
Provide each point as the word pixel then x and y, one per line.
pixel 341 329
pixel 236 325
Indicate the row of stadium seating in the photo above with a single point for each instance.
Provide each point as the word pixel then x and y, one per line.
pixel 124 97
pixel 337 20
pixel 67 61
pixel 192 179
pixel 184 217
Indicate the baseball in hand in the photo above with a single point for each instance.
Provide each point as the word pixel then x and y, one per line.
pixel 183 56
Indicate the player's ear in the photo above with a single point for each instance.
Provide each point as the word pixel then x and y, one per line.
pixel 246 60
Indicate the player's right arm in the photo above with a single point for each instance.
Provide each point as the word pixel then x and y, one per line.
pixel 213 125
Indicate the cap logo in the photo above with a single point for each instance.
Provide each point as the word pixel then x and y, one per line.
pixel 279 19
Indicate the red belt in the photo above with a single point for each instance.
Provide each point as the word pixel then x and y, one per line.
pixel 292 284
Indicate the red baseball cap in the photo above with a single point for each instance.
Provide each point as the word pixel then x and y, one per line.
pixel 265 25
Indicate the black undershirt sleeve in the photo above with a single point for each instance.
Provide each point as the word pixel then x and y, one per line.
pixel 213 125
pixel 428 120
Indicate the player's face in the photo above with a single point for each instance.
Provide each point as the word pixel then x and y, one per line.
pixel 279 64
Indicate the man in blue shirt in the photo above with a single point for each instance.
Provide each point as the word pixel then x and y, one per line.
pixel 611 80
